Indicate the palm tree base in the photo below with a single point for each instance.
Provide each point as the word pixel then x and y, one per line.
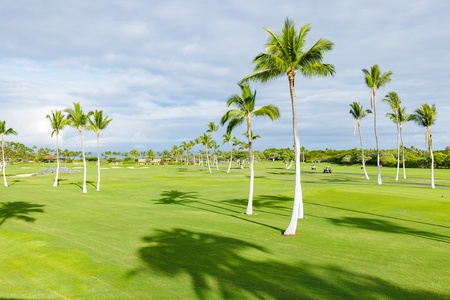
pixel 295 234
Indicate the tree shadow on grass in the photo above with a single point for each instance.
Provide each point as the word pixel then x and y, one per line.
pixel 389 227
pixel 222 267
pixel 80 184
pixel 377 215
pixel 193 200
pixel 18 210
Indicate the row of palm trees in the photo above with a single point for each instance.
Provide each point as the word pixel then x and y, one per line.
pixel 5 131
pixel 424 116
pixel 77 118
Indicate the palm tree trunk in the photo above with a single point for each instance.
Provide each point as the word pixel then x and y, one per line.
pixel 231 159
pixel 403 151
pixel 98 162
pixel 432 162
pixel 376 136
pixel 84 161
pixel 363 160
pixel 4 162
pixel 57 162
pixel 207 160
pixel 249 210
pixel 297 210
pixel 398 152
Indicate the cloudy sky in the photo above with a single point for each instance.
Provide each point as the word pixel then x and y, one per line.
pixel 164 69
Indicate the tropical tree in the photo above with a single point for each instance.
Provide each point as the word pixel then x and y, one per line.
pixel 244 111
pixel 402 118
pixel 206 140
pixel 186 146
pixel 78 119
pixel 375 80
pixel 357 111
pixel 285 55
pixel 3 132
pixel 212 128
pixel 57 121
pixel 394 103
pixel 425 116
pixel 228 138
pixel 97 123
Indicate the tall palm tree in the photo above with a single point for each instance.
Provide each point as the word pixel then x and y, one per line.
pixel 206 140
pixel 97 123
pixel 402 118
pixel 78 119
pixel 375 80
pixel 3 132
pixel 285 55
pixel 58 121
pixel 426 116
pixel 358 112
pixel 394 102
pixel 244 111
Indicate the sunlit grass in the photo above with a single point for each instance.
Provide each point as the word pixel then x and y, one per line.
pixel 178 232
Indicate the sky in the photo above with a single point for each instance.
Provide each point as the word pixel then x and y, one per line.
pixel 163 70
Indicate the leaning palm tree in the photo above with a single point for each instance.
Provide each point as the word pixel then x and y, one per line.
pixel 78 119
pixel 98 123
pixel 374 80
pixel 3 132
pixel 285 56
pixel 244 111
pixel 394 102
pixel 426 116
pixel 57 121
pixel 357 111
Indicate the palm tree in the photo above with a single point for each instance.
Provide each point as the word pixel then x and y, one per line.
pixel 402 117
pixel 227 138
pixel 57 121
pixel 374 80
pixel 206 140
pixel 357 111
pixel 244 111
pixel 394 102
pixel 212 128
pixel 426 116
pixel 3 132
pixel 98 123
pixel 285 55
pixel 186 146
pixel 78 119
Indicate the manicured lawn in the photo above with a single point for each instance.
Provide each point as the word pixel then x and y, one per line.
pixel 178 232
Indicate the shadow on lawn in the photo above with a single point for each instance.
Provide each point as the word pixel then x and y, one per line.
pixel 18 210
pixel 389 227
pixel 222 267
pixel 193 200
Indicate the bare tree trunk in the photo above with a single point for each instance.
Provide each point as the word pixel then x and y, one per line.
pixel 4 162
pixel 98 162
pixel 57 162
pixel 84 161
pixel 398 152
pixel 363 160
pixel 376 136
pixel 297 210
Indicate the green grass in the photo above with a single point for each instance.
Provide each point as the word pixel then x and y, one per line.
pixel 178 232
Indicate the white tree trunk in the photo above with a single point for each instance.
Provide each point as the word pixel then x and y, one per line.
pixel 432 164
pixel 5 183
pixel 98 162
pixel 297 209
pixel 363 160
pixel 84 161
pixel 376 135
pixel 57 162
pixel 398 152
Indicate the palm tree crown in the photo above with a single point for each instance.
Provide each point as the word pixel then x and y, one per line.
pixel 96 121
pixel 425 116
pixel 245 109
pixel 358 112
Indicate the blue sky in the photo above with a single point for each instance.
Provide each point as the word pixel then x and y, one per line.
pixel 164 69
